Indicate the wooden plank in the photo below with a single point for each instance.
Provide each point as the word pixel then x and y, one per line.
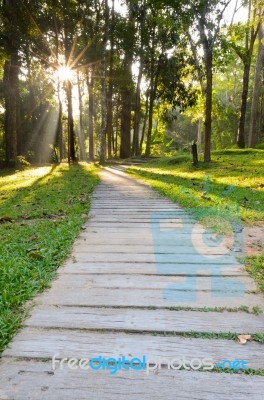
pixel 149 203
pixel 140 320
pixel 43 343
pixel 119 248
pixel 72 267
pixel 124 245
pixel 133 205
pixel 146 298
pixel 158 258
pixel 137 212
pixel 33 380
pixel 146 282
pixel 136 219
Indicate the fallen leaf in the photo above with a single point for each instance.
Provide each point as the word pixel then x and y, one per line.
pixel 242 339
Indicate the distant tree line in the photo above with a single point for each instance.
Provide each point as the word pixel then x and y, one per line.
pixel 86 80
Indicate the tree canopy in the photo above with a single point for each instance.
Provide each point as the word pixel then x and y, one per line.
pixel 87 80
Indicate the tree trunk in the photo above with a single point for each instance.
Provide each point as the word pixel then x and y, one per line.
pixel 150 123
pixel 103 114
pixel 67 47
pixel 136 147
pixel 136 144
pixel 152 96
pixel 126 92
pixel 11 35
pixel 103 88
pixel 90 84
pixel 71 133
pixel 81 133
pixel 109 119
pixel 60 132
pixel 144 124
pixel 253 131
pixel 208 106
pixel 125 151
pixel 247 58
pixel 10 94
pixel 243 109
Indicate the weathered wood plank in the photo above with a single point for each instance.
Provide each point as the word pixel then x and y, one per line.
pixel 146 282
pixel 124 245
pixel 168 248
pixel 73 267
pixel 159 258
pixel 146 298
pixel 42 343
pixel 32 380
pixel 144 320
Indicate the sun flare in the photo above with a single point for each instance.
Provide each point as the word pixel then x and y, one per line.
pixel 65 73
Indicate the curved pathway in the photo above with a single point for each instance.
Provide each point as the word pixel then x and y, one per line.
pixel 138 283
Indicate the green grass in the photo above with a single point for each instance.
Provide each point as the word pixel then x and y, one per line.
pixel 255 267
pixel 41 213
pixel 230 188
pixel 257 337
pixel 234 178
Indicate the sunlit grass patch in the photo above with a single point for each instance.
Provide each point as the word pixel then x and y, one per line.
pixel 229 189
pixel 233 179
pixel 41 213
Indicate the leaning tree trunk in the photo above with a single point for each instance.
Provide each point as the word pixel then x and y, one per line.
pixel 150 123
pixel 151 101
pixel 247 58
pixel 136 146
pixel 253 131
pixel 144 124
pixel 208 106
pixel 127 88
pixel 243 109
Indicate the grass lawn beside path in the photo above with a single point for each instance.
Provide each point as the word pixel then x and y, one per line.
pixel 42 211
pixel 232 184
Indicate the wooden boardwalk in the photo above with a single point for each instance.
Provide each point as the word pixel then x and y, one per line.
pixel 137 284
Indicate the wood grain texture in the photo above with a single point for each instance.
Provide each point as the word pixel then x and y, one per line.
pixel 43 343
pixel 74 267
pixel 145 298
pixel 145 282
pixel 32 380
pixel 144 320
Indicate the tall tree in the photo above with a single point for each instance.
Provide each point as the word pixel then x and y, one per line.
pixel 142 39
pixel 68 46
pixel 10 10
pixel 208 15
pixel 236 34
pixel 253 127
pixel 109 118
pixel 103 85
pixel 127 83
